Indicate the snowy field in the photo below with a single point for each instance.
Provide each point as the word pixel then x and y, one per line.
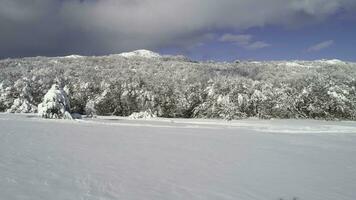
pixel 116 158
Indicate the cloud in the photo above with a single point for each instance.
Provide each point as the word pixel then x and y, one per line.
pixel 320 46
pixel 257 45
pixel 51 27
pixel 244 40
pixel 238 39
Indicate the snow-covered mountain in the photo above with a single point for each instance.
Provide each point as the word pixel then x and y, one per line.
pixel 141 53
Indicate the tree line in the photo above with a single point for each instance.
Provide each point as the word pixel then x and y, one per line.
pixel 177 87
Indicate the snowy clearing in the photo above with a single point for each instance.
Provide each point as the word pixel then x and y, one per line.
pixel 117 158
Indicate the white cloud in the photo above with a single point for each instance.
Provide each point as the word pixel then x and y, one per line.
pixel 244 40
pixel 257 45
pixel 100 26
pixel 320 46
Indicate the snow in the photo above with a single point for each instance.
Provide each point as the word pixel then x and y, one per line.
pixel 223 99
pixel 291 64
pixel 142 115
pixel 297 64
pixel 140 53
pixel 333 62
pixel 337 95
pixel 116 158
pixel 255 62
pixel 73 56
pixel 308 64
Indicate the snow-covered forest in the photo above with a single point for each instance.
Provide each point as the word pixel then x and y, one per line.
pixel 174 86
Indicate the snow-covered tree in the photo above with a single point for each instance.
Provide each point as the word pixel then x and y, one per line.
pixel 7 95
pixel 23 102
pixel 55 104
pixel 90 110
pixel 21 105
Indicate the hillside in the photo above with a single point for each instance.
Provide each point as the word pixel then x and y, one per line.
pixel 174 86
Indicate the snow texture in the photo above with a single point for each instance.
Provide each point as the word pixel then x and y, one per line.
pixel 115 158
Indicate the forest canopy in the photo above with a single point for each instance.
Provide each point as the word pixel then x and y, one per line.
pixel 174 86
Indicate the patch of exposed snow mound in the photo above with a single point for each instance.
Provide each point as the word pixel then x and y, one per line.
pixel 255 62
pixel 333 62
pixel 291 64
pixel 140 53
pixel 21 105
pixel 142 115
pixel 73 56
pixel 55 104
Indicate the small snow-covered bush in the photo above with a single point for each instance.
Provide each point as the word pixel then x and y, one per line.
pixel 142 115
pixel 21 105
pixel 90 110
pixel 55 104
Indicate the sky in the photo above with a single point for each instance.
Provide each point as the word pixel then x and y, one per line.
pixel 222 30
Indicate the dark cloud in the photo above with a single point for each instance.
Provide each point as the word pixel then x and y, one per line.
pixel 55 27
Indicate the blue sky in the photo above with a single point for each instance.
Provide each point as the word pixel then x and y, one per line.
pixel 337 34
pixel 222 30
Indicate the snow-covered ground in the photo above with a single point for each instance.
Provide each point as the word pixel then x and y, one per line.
pixel 117 158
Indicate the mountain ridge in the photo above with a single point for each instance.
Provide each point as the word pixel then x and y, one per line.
pixel 148 54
